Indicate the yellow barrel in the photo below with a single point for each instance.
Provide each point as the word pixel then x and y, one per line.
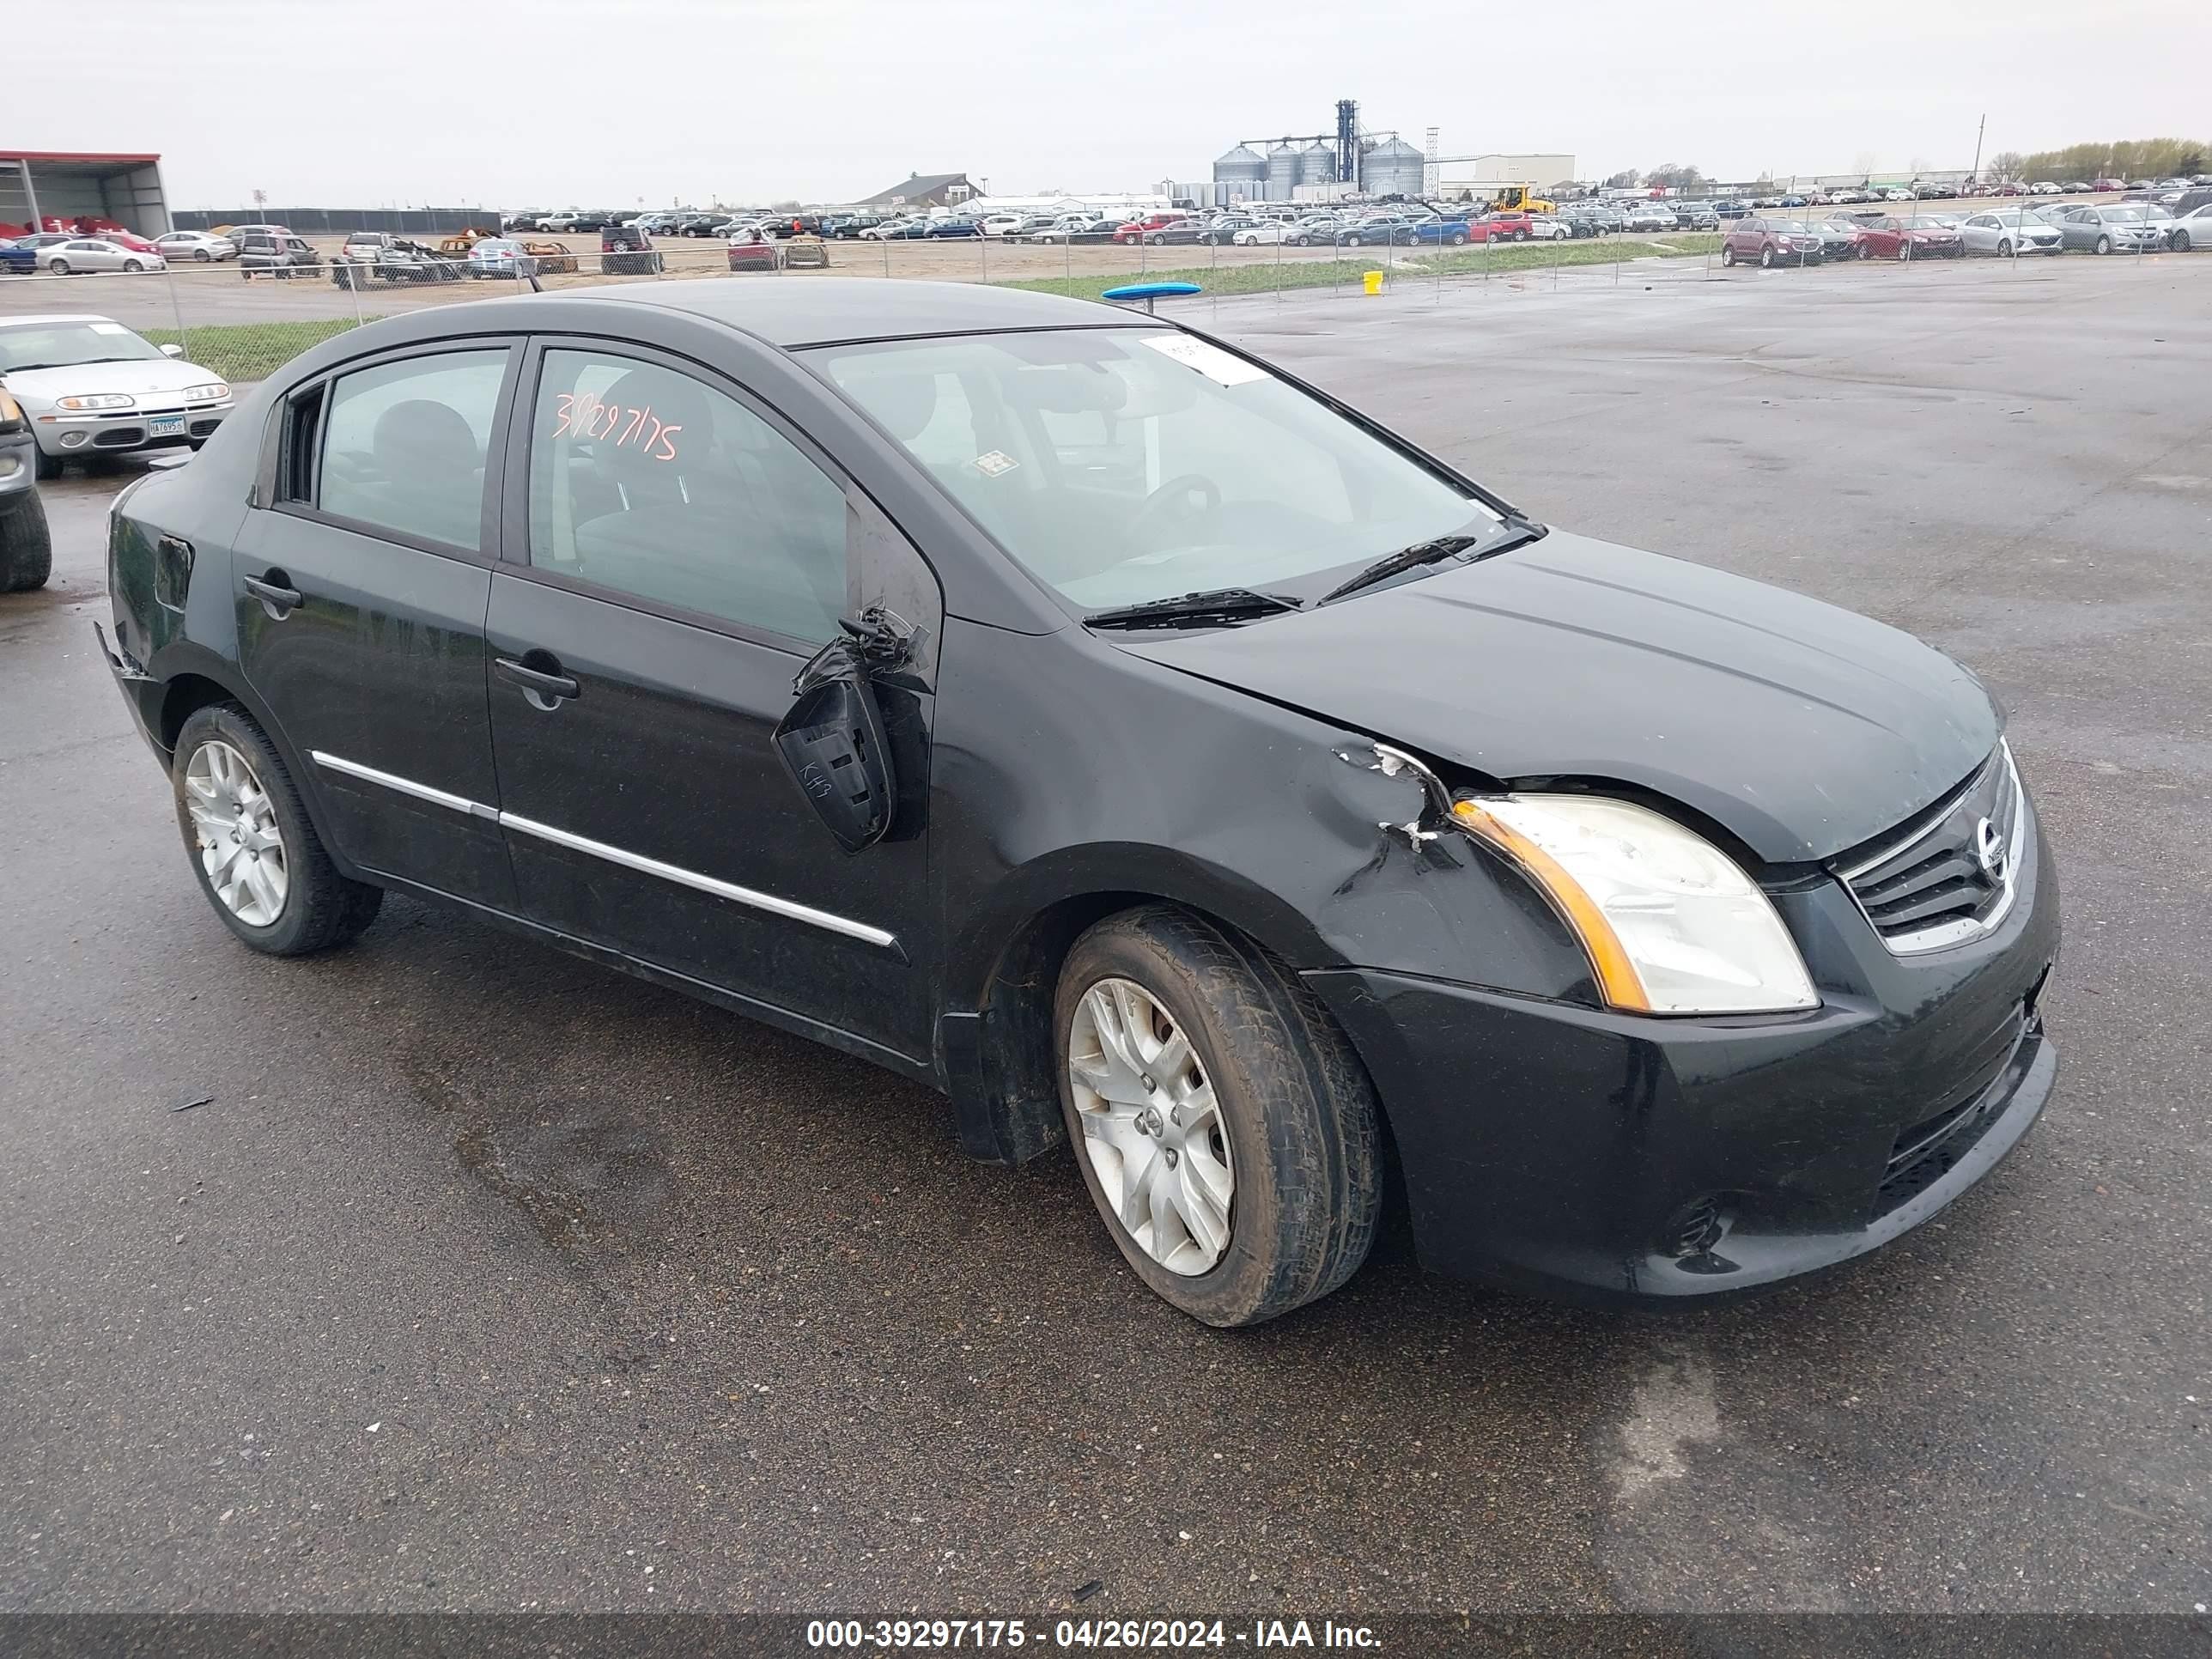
pixel 1374 282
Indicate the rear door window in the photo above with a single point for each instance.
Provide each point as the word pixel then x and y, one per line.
pixel 405 445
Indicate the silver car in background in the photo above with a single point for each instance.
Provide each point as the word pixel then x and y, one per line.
pixel 2007 231
pixel 96 254
pixel 198 246
pixel 2192 229
pixel 2115 227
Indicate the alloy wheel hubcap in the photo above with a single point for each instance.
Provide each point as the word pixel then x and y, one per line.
pixel 234 829
pixel 1152 1131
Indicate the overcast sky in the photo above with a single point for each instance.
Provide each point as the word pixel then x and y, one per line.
pixel 608 102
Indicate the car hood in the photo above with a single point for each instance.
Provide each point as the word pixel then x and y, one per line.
pixel 1802 728
pixel 150 375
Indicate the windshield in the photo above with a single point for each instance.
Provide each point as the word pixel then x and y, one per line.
pixel 51 345
pixel 1119 466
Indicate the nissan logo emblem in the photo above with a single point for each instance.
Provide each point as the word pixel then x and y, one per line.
pixel 1990 852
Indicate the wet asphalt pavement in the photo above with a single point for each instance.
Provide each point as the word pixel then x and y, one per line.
pixel 488 1280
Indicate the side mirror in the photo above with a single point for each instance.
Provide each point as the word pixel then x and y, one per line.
pixel 833 742
pixel 173 350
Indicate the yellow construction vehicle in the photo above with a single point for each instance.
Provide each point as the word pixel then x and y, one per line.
pixel 1517 198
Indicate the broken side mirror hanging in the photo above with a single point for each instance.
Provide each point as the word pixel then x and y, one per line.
pixel 833 740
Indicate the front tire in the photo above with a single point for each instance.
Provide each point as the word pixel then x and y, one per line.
pixel 2103 244
pixel 27 547
pixel 1766 258
pixel 2181 241
pixel 200 254
pixel 1224 1126
pixel 44 467
pixel 258 861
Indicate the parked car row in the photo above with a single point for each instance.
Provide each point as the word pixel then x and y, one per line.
pixel 2095 228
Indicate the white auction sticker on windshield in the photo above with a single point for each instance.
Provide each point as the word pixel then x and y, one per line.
pixel 109 328
pixel 1223 368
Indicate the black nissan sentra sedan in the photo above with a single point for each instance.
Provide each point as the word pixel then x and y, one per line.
pixel 1080 715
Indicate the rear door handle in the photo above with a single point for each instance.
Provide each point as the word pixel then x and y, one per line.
pixel 277 600
pixel 545 690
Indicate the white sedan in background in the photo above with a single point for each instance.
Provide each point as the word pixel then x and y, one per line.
pixel 2007 231
pixel 1545 227
pixel 198 246
pixel 1267 233
pixel 92 386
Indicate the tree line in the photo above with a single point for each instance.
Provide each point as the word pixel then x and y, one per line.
pixel 2135 158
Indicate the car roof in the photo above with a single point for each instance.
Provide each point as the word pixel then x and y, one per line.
pixel 54 317
pixel 818 311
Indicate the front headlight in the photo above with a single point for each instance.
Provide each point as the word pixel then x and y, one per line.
pixel 216 389
pixel 102 400
pixel 1670 923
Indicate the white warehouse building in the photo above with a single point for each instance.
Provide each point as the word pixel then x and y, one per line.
pixel 1481 175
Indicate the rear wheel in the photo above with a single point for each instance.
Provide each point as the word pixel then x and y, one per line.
pixel 200 254
pixel 1727 254
pixel 1223 1125
pixel 257 857
pixel 27 548
pixel 1459 239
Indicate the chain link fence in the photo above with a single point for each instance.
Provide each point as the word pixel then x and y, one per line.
pixel 243 320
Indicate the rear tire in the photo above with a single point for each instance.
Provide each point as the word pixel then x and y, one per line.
pixel 320 908
pixel 59 267
pixel 1727 254
pixel 200 254
pixel 27 547
pixel 1294 1105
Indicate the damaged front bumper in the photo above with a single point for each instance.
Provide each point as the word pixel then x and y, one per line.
pixel 1575 1153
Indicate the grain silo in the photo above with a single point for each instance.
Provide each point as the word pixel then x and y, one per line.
pixel 1282 171
pixel 1318 165
pixel 1392 167
pixel 1240 173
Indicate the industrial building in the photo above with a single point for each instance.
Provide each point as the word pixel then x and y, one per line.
pixel 55 189
pixel 1479 177
pixel 1351 161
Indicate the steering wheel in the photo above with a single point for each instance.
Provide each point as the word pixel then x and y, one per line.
pixel 1190 495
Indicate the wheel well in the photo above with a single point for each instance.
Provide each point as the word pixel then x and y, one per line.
pixel 1021 1081
pixel 185 697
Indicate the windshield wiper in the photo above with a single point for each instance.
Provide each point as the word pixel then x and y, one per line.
pixel 1515 532
pixel 1201 610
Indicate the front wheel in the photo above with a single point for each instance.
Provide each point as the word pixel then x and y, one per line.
pixel 2103 244
pixel 1766 258
pixel 1351 242
pixel 200 254
pixel 44 467
pixel 1459 239
pixel 2004 249
pixel 27 547
pixel 256 853
pixel 2181 241
pixel 1224 1126
pixel 133 266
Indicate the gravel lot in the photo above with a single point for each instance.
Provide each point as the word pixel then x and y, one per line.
pixel 486 1279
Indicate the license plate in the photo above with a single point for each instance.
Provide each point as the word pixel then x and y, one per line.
pixel 165 426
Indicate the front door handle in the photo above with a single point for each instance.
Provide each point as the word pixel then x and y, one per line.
pixel 278 600
pixel 544 688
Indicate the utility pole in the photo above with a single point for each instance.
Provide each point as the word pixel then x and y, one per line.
pixel 1976 175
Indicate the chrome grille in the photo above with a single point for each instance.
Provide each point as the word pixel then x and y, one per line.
pixel 1949 876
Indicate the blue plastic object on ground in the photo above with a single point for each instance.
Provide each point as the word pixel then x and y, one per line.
pixel 1149 292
